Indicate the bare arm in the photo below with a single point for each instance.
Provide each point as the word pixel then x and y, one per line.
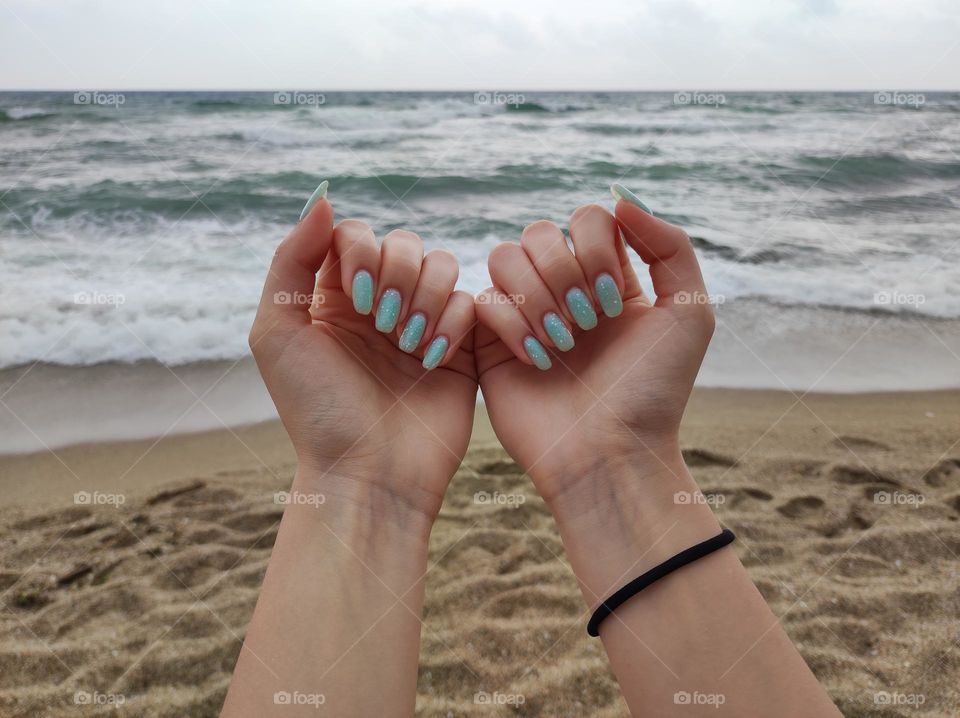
pixel 338 620
pixel 701 641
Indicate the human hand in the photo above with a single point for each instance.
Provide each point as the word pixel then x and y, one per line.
pixel 605 416
pixel 368 421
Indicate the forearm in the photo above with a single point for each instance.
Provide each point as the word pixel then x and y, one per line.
pixel 338 619
pixel 703 633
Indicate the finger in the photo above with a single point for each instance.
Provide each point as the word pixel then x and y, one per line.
pixel 359 259
pixel 438 277
pixel 595 236
pixel 290 281
pixel 547 248
pixel 503 318
pixel 400 258
pixel 667 250
pixel 454 326
pixel 514 275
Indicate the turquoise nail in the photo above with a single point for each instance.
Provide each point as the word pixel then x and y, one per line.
pixel 581 308
pixel 620 192
pixel 318 194
pixel 388 312
pixel 538 355
pixel 609 295
pixel 558 332
pixel 435 353
pixel 363 292
pixel 413 332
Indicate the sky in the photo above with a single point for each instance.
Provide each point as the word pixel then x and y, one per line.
pixel 480 45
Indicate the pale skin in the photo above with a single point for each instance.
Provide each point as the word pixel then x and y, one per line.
pixel 380 437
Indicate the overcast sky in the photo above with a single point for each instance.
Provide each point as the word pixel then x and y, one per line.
pixel 475 45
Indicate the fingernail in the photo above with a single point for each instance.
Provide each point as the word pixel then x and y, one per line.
pixel 413 332
pixel 581 308
pixel 609 295
pixel 388 312
pixel 319 193
pixel 538 355
pixel 435 352
pixel 558 332
pixel 620 192
pixel 362 292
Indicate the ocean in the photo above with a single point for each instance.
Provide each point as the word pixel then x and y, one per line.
pixel 136 228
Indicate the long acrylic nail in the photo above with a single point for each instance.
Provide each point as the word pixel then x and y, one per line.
pixel 620 192
pixel 412 332
pixel 558 332
pixel 435 352
pixel 581 308
pixel 538 355
pixel 388 311
pixel 362 292
pixel 609 295
pixel 318 194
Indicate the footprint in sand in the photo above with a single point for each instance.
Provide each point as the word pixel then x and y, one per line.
pixel 859 443
pixel 946 473
pixel 853 475
pixel 802 507
pixel 703 457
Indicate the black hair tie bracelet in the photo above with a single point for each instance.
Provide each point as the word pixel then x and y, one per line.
pixel 686 556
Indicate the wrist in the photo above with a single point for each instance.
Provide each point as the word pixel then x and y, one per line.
pixel 362 510
pixel 628 513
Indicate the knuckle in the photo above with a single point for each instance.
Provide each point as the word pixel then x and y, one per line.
pixel 403 236
pixel 706 318
pixel 502 253
pixel 404 266
pixel 461 297
pixel 354 226
pixel 589 211
pixel 540 227
pixel 554 261
pixel 443 260
pixel 255 336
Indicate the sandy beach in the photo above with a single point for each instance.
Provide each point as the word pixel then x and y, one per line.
pixel 131 569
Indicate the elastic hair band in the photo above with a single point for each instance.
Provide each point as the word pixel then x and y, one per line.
pixel 655 574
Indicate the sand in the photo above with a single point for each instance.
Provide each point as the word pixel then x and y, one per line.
pixel 147 601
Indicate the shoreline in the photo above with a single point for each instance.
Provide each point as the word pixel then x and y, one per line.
pixel 731 422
